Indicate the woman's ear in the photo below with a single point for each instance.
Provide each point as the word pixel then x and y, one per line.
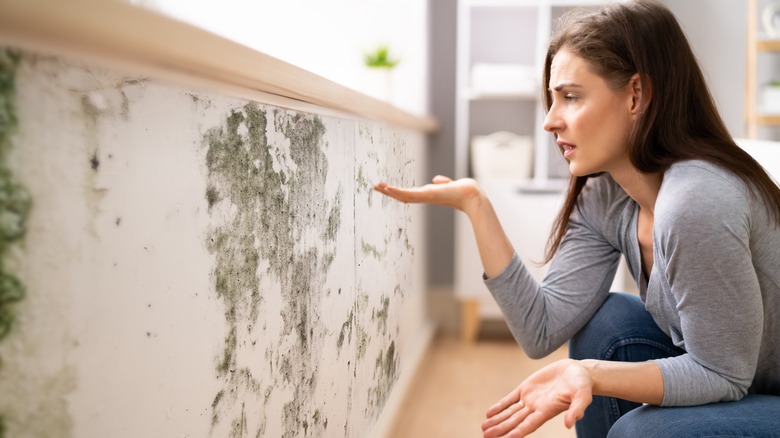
pixel 639 93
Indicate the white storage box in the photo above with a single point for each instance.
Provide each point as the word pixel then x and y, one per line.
pixel 503 78
pixel 502 155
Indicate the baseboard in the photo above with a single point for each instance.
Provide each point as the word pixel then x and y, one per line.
pixel 387 419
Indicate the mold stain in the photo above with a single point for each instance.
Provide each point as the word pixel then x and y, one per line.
pixel 380 315
pixel 274 210
pixel 15 200
pixel 362 342
pixel 363 186
pixel 94 105
pixel 385 375
pixel 371 250
pixel 346 330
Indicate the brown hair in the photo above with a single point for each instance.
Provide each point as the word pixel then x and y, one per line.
pixel 680 121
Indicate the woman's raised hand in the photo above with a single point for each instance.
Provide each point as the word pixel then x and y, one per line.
pixel 462 194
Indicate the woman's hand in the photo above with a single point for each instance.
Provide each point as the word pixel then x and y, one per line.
pixel 462 194
pixel 565 385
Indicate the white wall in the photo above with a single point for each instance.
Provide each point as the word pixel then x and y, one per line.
pixel 328 38
pixel 199 265
pixel 717 30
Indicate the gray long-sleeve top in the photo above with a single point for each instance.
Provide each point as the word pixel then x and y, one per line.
pixel 714 287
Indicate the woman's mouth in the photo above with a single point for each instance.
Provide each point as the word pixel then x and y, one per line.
pixel 567 148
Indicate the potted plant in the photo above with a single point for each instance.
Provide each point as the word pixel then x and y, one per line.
pixel 380 58
pixel 380 65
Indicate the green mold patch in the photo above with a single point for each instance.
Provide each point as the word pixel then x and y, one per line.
pixel 362 342
pixel 346 330
pixel 275 197
pixel 380 315
pixel 363 186
pixel 15 200
pixel 385 375
pixel 372 250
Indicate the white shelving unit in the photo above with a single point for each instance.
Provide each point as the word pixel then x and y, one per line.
pixel 511 32
pixel 757 44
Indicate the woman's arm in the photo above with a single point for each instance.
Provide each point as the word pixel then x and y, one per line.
pixel 639 382
pixel 495 250
pixel 541 316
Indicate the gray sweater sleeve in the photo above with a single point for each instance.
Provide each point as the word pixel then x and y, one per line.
pixel 544 316
pixel 702 235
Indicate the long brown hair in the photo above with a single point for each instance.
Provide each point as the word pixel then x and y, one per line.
pixel 680 122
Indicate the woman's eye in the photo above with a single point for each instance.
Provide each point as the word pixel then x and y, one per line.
pixel 570 97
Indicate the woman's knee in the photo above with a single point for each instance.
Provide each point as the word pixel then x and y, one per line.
pixel 607 325
pixel 753 416
pixel 641 422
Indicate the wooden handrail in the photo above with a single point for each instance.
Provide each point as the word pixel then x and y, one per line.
pixel 120 33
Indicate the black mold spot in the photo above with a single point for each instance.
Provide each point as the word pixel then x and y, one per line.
pixel 211 196
pixel 94 162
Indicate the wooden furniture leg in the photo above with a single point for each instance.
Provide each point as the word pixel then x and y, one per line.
pixel 469 320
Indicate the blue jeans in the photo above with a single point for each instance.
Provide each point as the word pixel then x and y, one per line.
pixel 622 330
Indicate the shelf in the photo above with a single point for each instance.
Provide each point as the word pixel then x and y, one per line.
pixel 536 3
pixel 502 3
pixel 501 95
pixel 768 45
pixel 548 185
pixel 768 119
pixel 519 186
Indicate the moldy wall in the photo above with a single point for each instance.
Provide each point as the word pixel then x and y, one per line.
pixel 201 264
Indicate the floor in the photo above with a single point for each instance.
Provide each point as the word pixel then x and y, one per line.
pixel 457 382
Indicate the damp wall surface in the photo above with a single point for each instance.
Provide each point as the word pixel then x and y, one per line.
pixel 198 264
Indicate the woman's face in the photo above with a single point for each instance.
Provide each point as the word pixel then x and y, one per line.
pixel 591 121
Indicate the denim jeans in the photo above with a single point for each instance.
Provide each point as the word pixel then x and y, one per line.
pixel 622 330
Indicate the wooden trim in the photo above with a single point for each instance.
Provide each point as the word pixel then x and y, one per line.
pixel 118 33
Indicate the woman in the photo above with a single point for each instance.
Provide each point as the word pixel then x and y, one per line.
pixel 655 177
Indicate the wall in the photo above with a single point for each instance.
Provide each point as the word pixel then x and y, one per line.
pixel 328 38
pixel 198 263
pixel 717 30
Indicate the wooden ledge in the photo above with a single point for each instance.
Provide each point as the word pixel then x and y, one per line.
pixel 127 35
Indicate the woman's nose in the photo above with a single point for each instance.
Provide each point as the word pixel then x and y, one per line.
pixel 552 122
